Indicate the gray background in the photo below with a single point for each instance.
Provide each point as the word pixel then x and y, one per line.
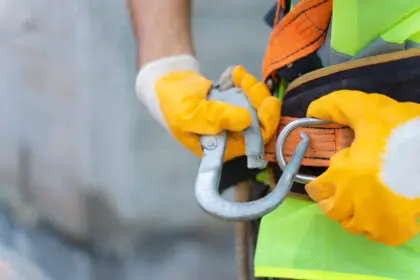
pixel 71 129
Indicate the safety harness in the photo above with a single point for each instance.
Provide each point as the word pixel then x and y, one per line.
pixel 373 74
pixel 306 59
pixel 300 37
pixel 300 33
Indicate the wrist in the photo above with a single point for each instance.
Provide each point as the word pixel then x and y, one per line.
pixel 147 75
pixel 147 55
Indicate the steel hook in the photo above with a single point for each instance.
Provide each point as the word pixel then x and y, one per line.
pixel 210 169
pixel 209 198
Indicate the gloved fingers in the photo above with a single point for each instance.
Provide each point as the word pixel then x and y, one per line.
pixel 329 190
pixel 351 227
pixel 405 231
pixel 401 224
pixel 340 159
pixel 347 107
pixel 255 90
pixel 340 206
pixel 211 117
pixel 235 146
pixel 323 186
pixel 415 206
pixel 362 220
pixel 269 116
pixel 369 221
pixel 191 141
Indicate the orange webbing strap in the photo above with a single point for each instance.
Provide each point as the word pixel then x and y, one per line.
pixel 325 141
pixel 301 32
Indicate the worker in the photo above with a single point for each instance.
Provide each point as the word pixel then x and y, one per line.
pixel 172 88
pixel 372 189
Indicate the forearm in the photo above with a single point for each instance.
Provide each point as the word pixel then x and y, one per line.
pixel 162 28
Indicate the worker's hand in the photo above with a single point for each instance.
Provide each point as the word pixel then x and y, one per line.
pixel 182 99
pixel 373 187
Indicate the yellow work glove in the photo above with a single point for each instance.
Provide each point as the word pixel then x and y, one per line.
pixel 373 187
pixel 181 99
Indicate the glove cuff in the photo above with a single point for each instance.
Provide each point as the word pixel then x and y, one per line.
pixel 146 77
pixel 401 161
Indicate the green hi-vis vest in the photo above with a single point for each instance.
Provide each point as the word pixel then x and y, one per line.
pixel 297 240
pixel 362 28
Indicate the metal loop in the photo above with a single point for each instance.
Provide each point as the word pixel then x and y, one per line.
pixel 210 200
pixel 300 178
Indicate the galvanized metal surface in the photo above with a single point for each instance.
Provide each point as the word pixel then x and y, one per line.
pixel 211 164
pixel 207 185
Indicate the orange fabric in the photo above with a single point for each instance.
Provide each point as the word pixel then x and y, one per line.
pixel 325 141
pixel 281 5
pixel 301 32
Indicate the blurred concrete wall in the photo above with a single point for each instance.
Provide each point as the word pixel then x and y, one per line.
pixel 76 144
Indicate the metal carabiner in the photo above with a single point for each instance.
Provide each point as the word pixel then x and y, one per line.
pixel 207 185
pixel 210 169
pixel 303 122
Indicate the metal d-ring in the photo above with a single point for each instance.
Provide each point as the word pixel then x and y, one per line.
pixel 281 161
